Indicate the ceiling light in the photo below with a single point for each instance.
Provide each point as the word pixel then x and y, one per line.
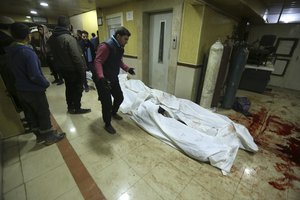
pixel 28 17
pixel 33 12
pixel 44 4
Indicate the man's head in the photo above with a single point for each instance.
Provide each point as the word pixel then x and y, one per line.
pixel 63 21
pixel 79 34
pixel 40 29
pixel 85 35
pixel 122 36
pixel 20 31
pixel 93 35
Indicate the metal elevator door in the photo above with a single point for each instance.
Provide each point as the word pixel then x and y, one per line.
pixel 159 49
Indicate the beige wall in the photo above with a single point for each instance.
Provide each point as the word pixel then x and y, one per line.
pixel 215 26
pixel 86 21
pixel 201 29
pixel 190 34
pixel 131 47
pixel 197 27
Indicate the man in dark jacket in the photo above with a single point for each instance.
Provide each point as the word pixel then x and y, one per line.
pixel 69 59
pixel 89 54
pixel 31 85
pixel 107 67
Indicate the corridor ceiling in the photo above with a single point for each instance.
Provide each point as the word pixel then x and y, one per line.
pixel 275 11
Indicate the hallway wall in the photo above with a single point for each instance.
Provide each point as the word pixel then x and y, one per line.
pixel 290 78
pixel 196 28
pixel 86 21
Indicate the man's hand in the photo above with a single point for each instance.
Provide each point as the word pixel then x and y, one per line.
pixel 131 71
pixel 105 83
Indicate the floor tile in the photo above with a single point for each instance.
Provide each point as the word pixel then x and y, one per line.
pixel 17 193
pixel 11 155
pixel 167 180
pixel 140 190
pixel 51 185
pixel 116 179
pixel 12 176
pixel 73 194
pixel 142 159
pixel 41 162
pixel 194 191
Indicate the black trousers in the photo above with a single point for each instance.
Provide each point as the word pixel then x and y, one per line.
pixel 109 107
pixel 36 109
pixel 55 72
pixel 74 88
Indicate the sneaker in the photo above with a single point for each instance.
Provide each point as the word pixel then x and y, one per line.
pixel 60 82
pixel 79 111
pixel 52 138
pixel 39 138
pixel 117 117
pixel 110 129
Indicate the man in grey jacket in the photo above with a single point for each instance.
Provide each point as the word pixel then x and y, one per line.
pixel 69 58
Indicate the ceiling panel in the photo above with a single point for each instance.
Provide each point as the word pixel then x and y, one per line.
pixel 288 10
pixel 55 8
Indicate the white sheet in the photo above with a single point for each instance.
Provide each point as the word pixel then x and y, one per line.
pixel 204 135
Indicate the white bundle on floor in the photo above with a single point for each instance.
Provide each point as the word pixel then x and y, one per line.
pixel 186 126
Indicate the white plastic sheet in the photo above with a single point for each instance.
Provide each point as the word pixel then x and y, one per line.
pixel 186 126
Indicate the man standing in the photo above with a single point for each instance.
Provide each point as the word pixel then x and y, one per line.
pixel 94 40
pixel 89 54
pixel 107 67
pixel 70 61
pixel 31 85
pixel 47 55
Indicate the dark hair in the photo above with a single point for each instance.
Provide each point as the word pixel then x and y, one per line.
pixel 122 31
pixel 63 21
pixel 93 34
pixel 19 30
pixel 79 32
pixel 84 32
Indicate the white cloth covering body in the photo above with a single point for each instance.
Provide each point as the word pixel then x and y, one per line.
pixel 186 126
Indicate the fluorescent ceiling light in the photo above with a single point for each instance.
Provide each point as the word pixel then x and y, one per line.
pixel 33 12
pixel 28 17
pixel 44 4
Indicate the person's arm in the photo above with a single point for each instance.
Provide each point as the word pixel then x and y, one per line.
pixel 124 66
pixel 76 55
pixel 101 56
pixel 33 69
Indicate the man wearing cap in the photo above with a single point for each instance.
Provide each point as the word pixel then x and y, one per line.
pixel 31 85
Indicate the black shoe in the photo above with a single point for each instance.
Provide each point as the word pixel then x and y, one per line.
pixel 39 138
pixel 117 117
pixel 79 111
pixel 60 82
pixel 52 138
pixel 55 81
pixel 110 129
pixel 87 89
pixel 71 111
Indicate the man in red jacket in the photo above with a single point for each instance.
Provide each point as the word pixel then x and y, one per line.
pixel 107 67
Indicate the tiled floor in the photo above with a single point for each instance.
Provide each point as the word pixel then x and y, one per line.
pixel 133 165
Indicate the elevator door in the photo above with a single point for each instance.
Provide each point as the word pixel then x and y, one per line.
pixel 159 49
